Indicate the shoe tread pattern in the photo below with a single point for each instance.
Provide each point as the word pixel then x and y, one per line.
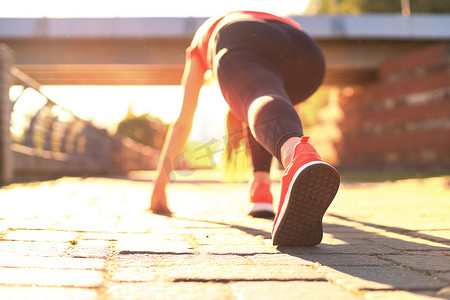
pixel 311 195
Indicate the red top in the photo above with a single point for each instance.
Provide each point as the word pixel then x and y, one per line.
pixel 202 38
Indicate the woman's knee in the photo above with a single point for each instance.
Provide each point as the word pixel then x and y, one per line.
pixel 272 116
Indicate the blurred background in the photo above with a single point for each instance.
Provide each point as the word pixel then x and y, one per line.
pixel 90 87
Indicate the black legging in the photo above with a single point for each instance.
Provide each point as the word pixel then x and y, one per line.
pixel 263 68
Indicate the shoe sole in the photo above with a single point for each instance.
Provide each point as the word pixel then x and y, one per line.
pixel 263 214
pixel 262 210
pixel 312 190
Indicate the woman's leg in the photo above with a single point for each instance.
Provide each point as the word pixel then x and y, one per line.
pixel 263 68
pixel 261 92
pixel 261 158
pixel 255 92
pixel 261 200
pixel 258 98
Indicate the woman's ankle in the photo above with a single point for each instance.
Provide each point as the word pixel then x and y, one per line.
pixel 260 177
pixel 287 150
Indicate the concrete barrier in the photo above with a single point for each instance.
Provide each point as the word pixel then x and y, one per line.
pixel 6 157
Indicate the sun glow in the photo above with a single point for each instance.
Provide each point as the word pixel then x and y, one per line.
pixel 105 106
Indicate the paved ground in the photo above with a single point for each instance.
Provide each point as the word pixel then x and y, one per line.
pixel 91 238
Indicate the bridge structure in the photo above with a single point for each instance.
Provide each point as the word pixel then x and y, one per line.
pixel 151 51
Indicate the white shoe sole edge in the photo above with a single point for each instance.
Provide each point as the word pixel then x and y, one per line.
pixel 258 207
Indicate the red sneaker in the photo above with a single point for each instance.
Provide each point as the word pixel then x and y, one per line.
pixel 308 187
pixel 261 202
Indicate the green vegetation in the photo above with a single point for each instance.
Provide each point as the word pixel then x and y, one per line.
pixel 309 109
pixel 145 129
pixel 379 6
pixel 359 176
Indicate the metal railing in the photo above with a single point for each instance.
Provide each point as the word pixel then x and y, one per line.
pixel 48 140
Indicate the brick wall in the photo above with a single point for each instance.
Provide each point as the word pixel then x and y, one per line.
pixel 403 120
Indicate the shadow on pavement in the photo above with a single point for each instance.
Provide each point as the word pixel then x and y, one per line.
pixel 249 230
pixel 378 260
pixel 399 230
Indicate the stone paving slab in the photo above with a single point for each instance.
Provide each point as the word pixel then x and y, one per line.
pixel 294 290
pixel 52 262
pixel 442 236
pixel 401 295
pixel 92 238
pixel 154 246
pixel 41 235
pixel 168 290
pixel 410 244
pixel 35 249
pixel 27 224
pixel 91 248
pixel 431 261
pixel 325 248
pixel 51 277
pixel 44 293
pixel 444 275
pixel 346 259
pixel 360 278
